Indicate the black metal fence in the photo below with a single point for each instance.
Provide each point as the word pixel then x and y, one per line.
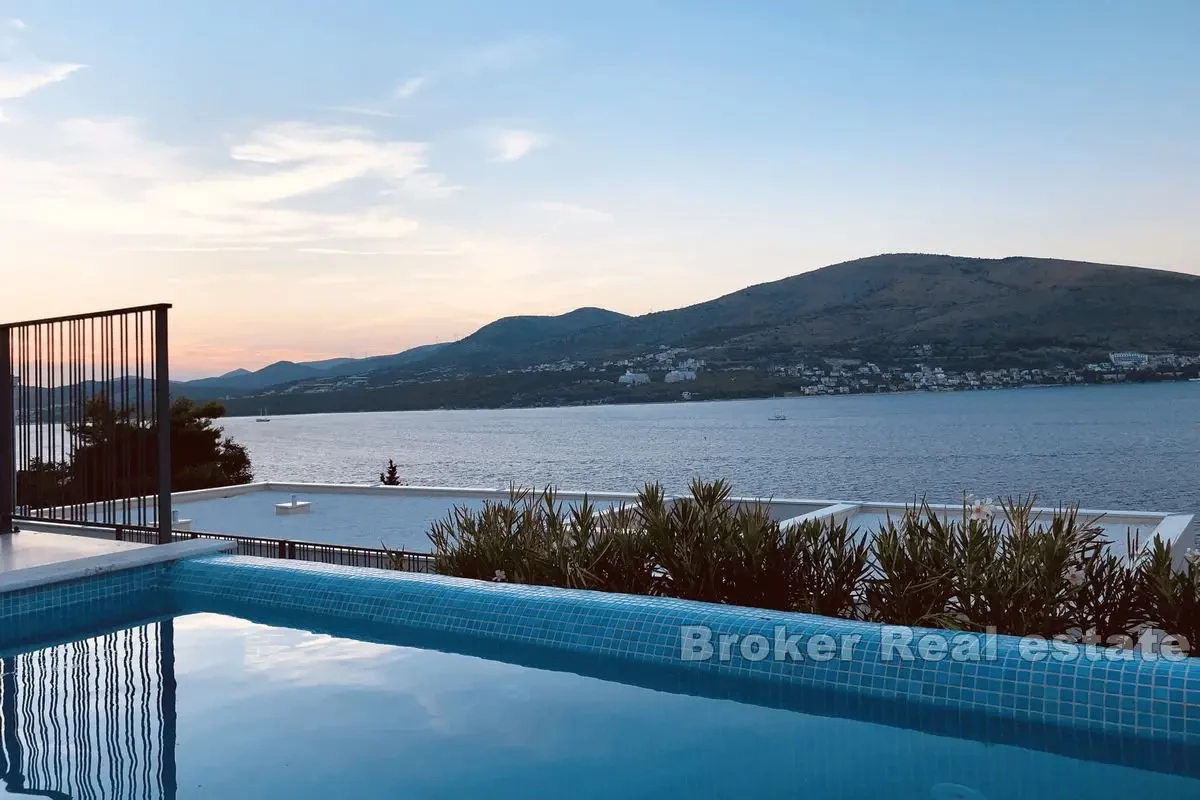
pixel 85 432
pixel 346 555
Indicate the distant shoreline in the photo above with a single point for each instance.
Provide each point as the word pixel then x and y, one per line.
pixel 678 401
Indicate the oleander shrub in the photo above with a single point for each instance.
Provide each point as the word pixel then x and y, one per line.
pixel 691 538
pixel 1171 595
pixel 531 538
pixel 755 565
pixel 485 543
pixel 1014 573
pixel 995 568
pixel 833 561
pixel 625 563
pixel 1106 600
pixel 911 581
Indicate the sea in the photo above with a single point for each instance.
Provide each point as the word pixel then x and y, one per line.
pixel 1133 447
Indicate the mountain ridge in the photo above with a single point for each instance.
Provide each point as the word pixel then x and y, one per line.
pixel 910 298
pixel 281 372
pixel 886 300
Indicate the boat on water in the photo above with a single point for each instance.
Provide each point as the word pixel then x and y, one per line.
pixel 262 416
pixel 778 416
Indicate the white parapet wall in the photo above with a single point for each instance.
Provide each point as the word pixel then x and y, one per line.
pixel 400 517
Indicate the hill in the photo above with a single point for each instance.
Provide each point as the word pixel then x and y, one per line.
pixel 511 333
pixel 887 301
pixel 1017 310
pixel 240 381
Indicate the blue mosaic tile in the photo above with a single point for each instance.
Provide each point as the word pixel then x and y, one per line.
pixel 43 614
pixel 1146 698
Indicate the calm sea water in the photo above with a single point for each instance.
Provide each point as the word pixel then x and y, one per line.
pixel 1135 447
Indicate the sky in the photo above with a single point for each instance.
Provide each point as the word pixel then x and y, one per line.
pixel 306 179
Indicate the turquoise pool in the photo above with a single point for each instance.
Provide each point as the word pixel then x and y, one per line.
pixel 264 711
pixel 166 682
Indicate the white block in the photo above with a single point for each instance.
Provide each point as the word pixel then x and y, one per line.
pixel 295 507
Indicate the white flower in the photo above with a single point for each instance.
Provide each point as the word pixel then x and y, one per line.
pixel 981 510
pixel 500 576
pixel 1075 577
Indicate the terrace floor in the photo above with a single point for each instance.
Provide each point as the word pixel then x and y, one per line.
pixel 363 516
pixel 29 549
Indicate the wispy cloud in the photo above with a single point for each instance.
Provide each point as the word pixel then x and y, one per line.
pixel 383 109
pixel 408 88
pixel 414 251
pixel 507 54
pixel 103 177
pixel 364 111
pixel 573 211
pixel 18 80
pixel 218 249
pixel 513 144
pixel 17 24
pixel 337 279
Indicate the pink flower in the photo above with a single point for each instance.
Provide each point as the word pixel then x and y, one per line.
pixel 500 576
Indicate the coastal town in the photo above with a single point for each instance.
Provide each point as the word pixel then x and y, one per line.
pixel 674 374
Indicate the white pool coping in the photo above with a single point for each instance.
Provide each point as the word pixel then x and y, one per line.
pixel 121 559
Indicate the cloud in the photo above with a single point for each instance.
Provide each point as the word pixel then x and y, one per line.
pixel 381 108
pixel 414 251
pixel 219 249
pixel 573 211
pixel 513 144
pixel 17 81
pixel 365 111
pixel 293 160
pixel 338 279
pixel 17 24
pixel 409 87
pixel 502 55
pixel 284 184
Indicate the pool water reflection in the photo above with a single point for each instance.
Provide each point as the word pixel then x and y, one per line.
pixel 207 705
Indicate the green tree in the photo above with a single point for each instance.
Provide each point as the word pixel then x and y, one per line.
pixel 392 476
pixel 116 456
pixel 202 456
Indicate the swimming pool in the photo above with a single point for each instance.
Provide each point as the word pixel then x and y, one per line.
pixel 164 682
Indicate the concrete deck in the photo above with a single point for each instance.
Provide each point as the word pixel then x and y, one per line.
pixel 29 559
pixel 35 549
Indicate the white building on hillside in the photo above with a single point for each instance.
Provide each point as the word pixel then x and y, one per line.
pixel 679 375
pixel 631 378
pixel 1129 360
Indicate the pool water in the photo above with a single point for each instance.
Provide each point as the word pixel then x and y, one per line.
pixel 208 705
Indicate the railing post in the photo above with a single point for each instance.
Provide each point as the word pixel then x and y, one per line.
pixel 8 424
pixel 162 406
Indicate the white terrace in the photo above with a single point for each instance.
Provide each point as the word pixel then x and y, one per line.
pixel 399 517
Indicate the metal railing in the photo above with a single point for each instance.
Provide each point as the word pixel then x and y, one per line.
pixel 345 555
pixel 85 410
